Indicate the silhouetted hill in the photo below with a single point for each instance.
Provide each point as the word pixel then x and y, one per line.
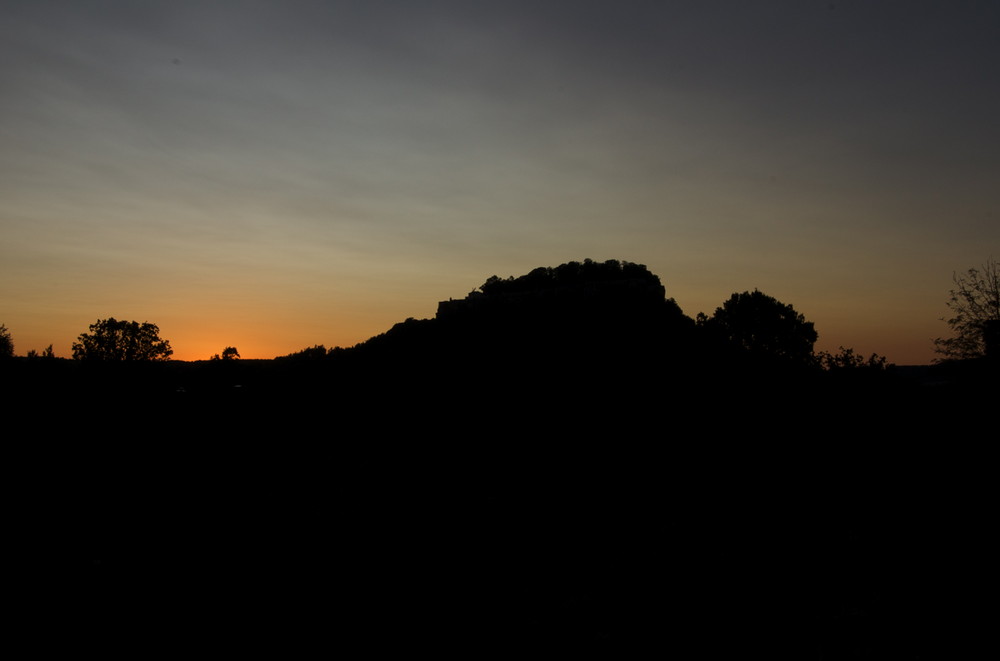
pixel 558 328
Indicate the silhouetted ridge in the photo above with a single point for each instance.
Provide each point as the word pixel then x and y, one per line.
pixel 554 334
pixel 589 275
pixel 573 283
pixel 552 306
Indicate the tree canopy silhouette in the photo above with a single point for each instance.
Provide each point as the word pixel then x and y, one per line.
pixel 6 343
pixel 975 307
pixel 113 340
pixel 229 353
pixel 763 328
pixel 48 353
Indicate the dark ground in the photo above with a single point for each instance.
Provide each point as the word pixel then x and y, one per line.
pixel 308 511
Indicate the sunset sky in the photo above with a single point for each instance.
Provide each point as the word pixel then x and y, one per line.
pixel 274 174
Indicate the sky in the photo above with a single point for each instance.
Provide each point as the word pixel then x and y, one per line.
pixel 276 174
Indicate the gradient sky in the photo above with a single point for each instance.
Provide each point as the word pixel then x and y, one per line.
pixel 274 174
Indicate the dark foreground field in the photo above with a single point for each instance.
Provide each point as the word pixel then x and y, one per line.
pixel 307 511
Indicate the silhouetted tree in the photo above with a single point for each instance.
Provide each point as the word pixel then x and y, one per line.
pixel 47 353
pixel 975 307
pixel 113 340
pixel 846 359
pixel 762 327
pixel 6 343
pixel 229 353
